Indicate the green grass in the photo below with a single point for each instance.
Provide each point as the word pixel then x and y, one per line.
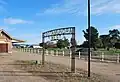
pixel 110 52
pixel 57 49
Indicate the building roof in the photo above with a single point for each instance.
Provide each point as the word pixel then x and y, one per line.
pixel 3 31
pixel 17 40
pixel 13 39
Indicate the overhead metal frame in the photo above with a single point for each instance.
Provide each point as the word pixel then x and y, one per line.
pixel 59 32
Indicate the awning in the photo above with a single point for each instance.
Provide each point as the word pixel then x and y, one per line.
pixel 17 41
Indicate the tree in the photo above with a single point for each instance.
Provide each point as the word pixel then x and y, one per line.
pixel 94 36
pixel 66 42
pixel 48 44
pixel 84 44
pixel 105 40
pixel 62 43
pixel 41 44
pixel 114 36
pixel 99 43
pixel 117 45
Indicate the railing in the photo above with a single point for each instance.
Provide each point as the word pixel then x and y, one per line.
pixel 95 56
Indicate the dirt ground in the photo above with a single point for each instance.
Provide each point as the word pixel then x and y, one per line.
pixel 7 73
pixel 58 73
pixel 109 70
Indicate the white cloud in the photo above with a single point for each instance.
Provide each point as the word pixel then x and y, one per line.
pixel 115 27
pixel 16 21
pixel 79 7
pixel 68 6
pixel 105 6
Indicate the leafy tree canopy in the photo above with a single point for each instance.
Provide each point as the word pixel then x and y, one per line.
pixel 94 36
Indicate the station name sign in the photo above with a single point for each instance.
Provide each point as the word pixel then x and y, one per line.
pixel 62 31
pixel 56 33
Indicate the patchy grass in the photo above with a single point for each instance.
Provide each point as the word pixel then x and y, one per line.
pixel 58 73
pixel 112 51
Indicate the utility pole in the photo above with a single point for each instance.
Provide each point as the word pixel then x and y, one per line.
pixel 89 40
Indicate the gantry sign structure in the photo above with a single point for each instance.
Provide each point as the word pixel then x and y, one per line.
pixel 56 35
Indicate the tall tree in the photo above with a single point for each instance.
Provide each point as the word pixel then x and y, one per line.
pixel 114 36
pixel 105 40
pixel 94 36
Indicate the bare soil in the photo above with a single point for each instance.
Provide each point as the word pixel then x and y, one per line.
pixel 57 73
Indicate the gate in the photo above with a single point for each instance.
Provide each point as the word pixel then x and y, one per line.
pixel 55 35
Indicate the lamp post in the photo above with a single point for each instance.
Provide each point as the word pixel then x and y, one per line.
pixel 89 36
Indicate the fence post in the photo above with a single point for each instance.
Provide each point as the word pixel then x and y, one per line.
pixel 52 53
pixel 56 52
pixel 30 50
pixel 40 52
pixel 27 49
pixel 79 54
pixel 19 49
pixel 70 54
pixel 90 55
pixel 33 50
pixel 102 56
pixel 36 50
pixel 23 49
pixel 46 52
pixel 118 58
pixel 63 53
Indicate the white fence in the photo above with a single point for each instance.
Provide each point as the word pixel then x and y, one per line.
pixel 99 56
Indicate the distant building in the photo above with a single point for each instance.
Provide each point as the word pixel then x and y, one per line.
pixel 6 42
pixel 35 46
